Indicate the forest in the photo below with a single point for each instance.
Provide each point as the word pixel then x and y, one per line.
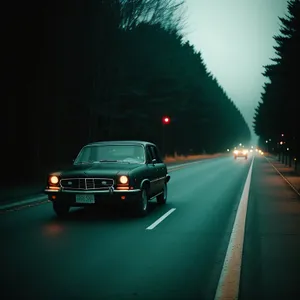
pixel 84 71
pixel 277 116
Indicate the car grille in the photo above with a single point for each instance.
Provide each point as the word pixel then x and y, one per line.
pixel 86 183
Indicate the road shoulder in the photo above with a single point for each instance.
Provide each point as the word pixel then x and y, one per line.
pixel 271 258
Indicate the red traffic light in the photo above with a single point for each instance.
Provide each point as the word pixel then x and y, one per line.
pixel 166 120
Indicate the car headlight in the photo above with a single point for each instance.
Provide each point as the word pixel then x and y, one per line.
pixel 123 179
pixel 53 179
pixel 235 152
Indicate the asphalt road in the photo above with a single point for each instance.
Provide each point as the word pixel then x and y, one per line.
pixel 108 254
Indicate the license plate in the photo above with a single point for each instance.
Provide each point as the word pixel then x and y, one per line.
pixel 85 198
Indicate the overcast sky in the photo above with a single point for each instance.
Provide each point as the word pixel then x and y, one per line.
pixel 235 38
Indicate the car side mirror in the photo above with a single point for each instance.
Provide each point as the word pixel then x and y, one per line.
pixel 154 161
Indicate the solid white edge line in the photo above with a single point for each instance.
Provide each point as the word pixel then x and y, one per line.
pixel 153 225
pixel 295 190
pixel 24 202
pixel 189 163
pixel 228 286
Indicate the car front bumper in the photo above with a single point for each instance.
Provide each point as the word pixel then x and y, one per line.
pixel 100 196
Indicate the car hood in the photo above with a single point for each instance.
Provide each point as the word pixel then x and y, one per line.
pixel 98 169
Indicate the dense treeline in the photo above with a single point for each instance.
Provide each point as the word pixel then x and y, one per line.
pixel 277 116
pixel 82 71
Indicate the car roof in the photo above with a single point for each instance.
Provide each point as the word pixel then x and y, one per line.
pixel 122 142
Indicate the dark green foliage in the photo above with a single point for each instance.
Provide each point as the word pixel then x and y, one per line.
pixel 278 111
pixel 87 76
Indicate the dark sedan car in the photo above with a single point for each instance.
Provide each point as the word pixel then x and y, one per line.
pixel 130 172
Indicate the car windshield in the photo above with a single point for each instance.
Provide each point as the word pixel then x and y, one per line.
pixel 111 153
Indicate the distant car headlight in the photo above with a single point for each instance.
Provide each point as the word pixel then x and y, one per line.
pixel 54 180
pixel 123 179
pixel 235 152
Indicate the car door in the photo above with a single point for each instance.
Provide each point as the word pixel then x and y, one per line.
pixel 151 172
pixel 161 169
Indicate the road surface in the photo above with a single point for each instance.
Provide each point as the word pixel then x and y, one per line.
pixel 230 228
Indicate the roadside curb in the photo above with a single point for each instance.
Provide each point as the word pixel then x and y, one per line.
pixel 181 166
pixel 284 178
pixel 35 200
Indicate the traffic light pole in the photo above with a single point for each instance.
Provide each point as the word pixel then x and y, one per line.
pixel 163 140
pixel 165 122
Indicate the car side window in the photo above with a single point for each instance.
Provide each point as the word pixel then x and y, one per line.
pixel 155 154
pixel 148 154
pixel 158 156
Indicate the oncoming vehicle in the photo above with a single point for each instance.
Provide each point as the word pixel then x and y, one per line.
pixel 130 172
pixel 240 152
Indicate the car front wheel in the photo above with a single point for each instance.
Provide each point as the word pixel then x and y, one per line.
pixel 162 198
pixel 61 209
pixel 142 204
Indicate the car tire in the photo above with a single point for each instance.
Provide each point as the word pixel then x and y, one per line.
pixel 61 209
pixel 142 204
pixel 235 157
pixel 246 157
pixel 162 198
